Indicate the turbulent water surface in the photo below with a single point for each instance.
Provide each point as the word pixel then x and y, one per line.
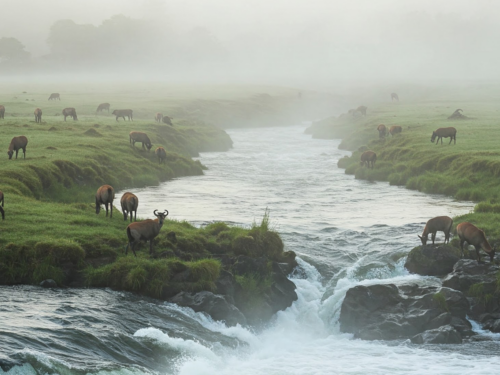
pixel 346 232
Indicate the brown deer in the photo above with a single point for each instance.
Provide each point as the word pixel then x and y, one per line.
pixel 362 109
pixel 140 137
pixel 69 112
pixel 368 157
pixel 105 195
pixel 38 116
pixel 161 154
pixel 395 129
pixel 145 230
pixel 394 96
pixel 103 106
pixel 54 96
pixel 474 236
pixel 158 117
pixel 16 144
pixel 122 113
pixel 2 111
pixel 1 208
pixel 441 133
pixel 437 224
pixel 167 120
pixel 129 203
pixel 382 131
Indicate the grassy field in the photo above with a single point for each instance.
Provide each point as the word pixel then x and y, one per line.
pixel 51 229
pixel 469 170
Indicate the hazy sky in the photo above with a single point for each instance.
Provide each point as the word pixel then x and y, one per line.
pixel 413 36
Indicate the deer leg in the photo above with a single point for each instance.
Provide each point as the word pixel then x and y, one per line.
pixel 462 247
pixel 135 215
pixel 24 152
pixel 478 255
pixel 106 205
pixel 433 237
pixel 17 152
pixel 125 215
pixel 111 209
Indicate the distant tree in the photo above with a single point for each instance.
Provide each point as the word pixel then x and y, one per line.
pixel 12 51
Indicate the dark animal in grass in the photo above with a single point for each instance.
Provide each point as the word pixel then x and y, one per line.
pixel 129 203
pixel 382 131
pixel 394 96
pixel 38 116
pixel 167 120
pixel 444 133
pixel 71 112
pixel 1 208
pixel 457 115
pixel 474 236
pixel 140 137
pixel 2 111
pixel 16 144
pixel 103 106
pixel 145 230
pixel 362 109
pixel 395 129
pixel 158 117
pixel 437 224
pixel 161 154
pixel 105 195
pixel 123 113
pixel 368 158
pixel 54 96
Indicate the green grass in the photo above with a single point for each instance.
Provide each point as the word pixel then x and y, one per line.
pixel 440 299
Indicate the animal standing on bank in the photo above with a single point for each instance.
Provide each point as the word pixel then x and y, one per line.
pixel 2 111
pixel 167 120
pixel 394 96
pixel 158 117
pixel 38 116
pixel 395 129
pixel 16 144
pixel 362 109
pixel 103 106
pixel 123 113
pixel 1 208
pixel 105 195
pixel 145 230
pixel 474 236
pixel 437 224
pixel 129 203
pixel 140 137
pixel 445 133
pixel 382 131
pixel 54 96
pixel 71 112
pixel 368 158
pixel 161 154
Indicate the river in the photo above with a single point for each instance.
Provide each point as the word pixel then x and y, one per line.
pixel 345 232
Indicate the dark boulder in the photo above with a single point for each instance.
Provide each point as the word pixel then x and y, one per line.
pixel 431 260
pixel 386 312
pixel 214 305
pixel 442 335
pixel 49 283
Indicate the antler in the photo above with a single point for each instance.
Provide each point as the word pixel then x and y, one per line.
pixel 166 212
pixel 155 213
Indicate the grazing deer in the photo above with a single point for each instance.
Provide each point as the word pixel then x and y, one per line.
pixel 145 230
pixel 38 116
pixel 54 96
pixel 122 113
pixel 129 203
pixel 395 129
pixel 437 224
pixel 441 133
pixel 105 195
pixel 382 131
pixel 103 106
pixel 140 137
pixel 368 157
pixel 167 120
pixel 474 236
pixel 69 112
pixel 16 144
pixel 161 154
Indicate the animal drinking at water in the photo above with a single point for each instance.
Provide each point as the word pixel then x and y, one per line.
pixel 474 236
pixel 145 230
pixel 437 224
pixel 140 137
pixel 444 133
pixel 105 195
pixel 16 144
pixel 129 203
pixel 368 158
pixel 123 113
pixel 38 116
pixel 71 112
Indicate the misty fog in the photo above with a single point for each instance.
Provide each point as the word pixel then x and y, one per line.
pixel 292 42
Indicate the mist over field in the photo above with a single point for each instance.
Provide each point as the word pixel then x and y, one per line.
pixel 292 42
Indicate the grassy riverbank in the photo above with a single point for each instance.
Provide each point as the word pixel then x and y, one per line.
pixel 469 170
pixel 51 229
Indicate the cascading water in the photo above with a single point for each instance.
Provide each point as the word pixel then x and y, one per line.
pixel 345 231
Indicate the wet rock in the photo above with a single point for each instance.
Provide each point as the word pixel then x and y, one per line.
pixel 214 305
pixel 432 260
pixel 442 335
pixel 386 312
pixel 49 283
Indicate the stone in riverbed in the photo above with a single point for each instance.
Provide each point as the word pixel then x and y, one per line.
pixel 49 283
pixel 442 335
pixel 432 260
